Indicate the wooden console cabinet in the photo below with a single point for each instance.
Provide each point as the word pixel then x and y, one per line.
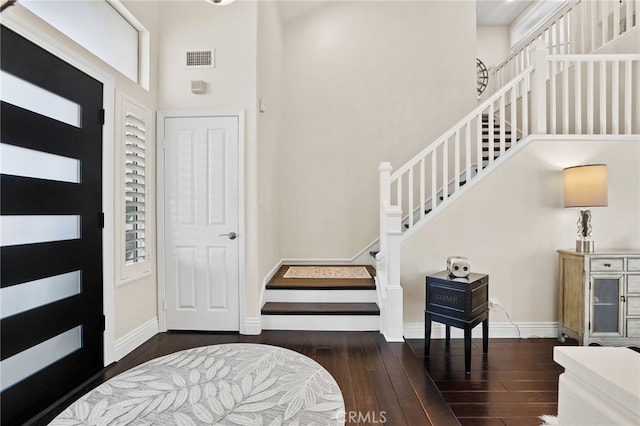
pixel 599 297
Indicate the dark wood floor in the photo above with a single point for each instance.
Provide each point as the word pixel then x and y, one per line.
pixel 379 380
pixel 387 381
pixel 514 384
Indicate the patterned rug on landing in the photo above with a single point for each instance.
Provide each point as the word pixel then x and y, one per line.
pixel 327 272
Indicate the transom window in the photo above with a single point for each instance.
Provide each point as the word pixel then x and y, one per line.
pixel 103 27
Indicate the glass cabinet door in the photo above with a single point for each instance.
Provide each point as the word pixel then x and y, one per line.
pixel 606 311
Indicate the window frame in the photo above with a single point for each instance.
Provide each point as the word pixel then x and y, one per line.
pixel 133 271
pixel 82 38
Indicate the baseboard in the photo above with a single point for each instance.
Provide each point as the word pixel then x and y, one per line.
pixel 314 262
pixel 391 340
pixel 130 341
pixel 362 258
pixel 527 330
pixel 266 280
pixel 252 326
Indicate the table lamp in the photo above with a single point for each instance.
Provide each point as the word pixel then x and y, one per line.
pixel 585 186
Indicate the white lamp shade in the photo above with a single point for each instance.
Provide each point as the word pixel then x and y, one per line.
pixel 585 186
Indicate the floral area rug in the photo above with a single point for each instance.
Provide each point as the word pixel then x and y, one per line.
pixel 327 272
pixel 232 384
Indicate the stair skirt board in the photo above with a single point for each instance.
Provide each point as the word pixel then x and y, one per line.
pixel 321 322
pixel 321 296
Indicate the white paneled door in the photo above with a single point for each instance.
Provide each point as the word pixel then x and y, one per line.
pixel 201 209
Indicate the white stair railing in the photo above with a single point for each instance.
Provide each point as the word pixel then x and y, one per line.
pixel 578 28
pixel 461 151
pixel 587 94
pixel 469 143
pixel 593 94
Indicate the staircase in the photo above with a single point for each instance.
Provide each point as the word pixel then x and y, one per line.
pixel 491 143
pixel 492 135
pixel 554 84
pixel 307 303
pixel 551 85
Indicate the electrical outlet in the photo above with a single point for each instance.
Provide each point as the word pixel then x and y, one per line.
pixel 493 303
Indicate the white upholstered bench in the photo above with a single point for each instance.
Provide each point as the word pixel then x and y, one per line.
pixel 600 386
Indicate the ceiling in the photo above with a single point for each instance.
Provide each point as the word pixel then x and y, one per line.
pixel 489 12
pixel 500 12
pixel 290 10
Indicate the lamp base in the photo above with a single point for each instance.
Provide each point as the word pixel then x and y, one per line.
pixel 584 246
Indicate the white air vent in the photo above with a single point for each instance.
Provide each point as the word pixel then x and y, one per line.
pixel 201 59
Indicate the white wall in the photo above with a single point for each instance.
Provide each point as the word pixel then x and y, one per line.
pixel 493 45
pixel 136 302
pixel 492 49
pixel 197 25
pixel 511 224
pixel 231 86
pixel 268 137
pixel 364 82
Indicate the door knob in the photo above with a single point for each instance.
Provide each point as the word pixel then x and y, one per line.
pixel 231 235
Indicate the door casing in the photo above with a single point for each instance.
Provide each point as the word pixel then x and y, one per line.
pixel 39 37
pixel 161 174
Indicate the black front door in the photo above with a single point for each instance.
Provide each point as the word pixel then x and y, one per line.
pixel 52 320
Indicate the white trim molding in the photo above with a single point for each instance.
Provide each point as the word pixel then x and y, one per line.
pixel 524 330
pixel 321 322
pixel 136 337
pixel 316 262
pixel 244 322
pixel 37 36
pixel 252 326
pixel 267 278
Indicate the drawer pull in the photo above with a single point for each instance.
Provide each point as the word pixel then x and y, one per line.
pixel 607 265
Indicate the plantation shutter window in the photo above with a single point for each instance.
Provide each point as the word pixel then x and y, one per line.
pixel 135 128
pixel 135 188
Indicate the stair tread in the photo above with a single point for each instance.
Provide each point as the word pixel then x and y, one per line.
pixel 278 282
pixel 287 308
pixel 496 131
pixel 495 142
pixel 495 148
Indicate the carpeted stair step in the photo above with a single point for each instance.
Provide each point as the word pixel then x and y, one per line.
pixel 321 297
pixel 281 282
pixel 497 139
pixel 496 131
pixel 322 284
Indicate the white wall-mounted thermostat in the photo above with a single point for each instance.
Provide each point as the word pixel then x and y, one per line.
pixel 198 87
